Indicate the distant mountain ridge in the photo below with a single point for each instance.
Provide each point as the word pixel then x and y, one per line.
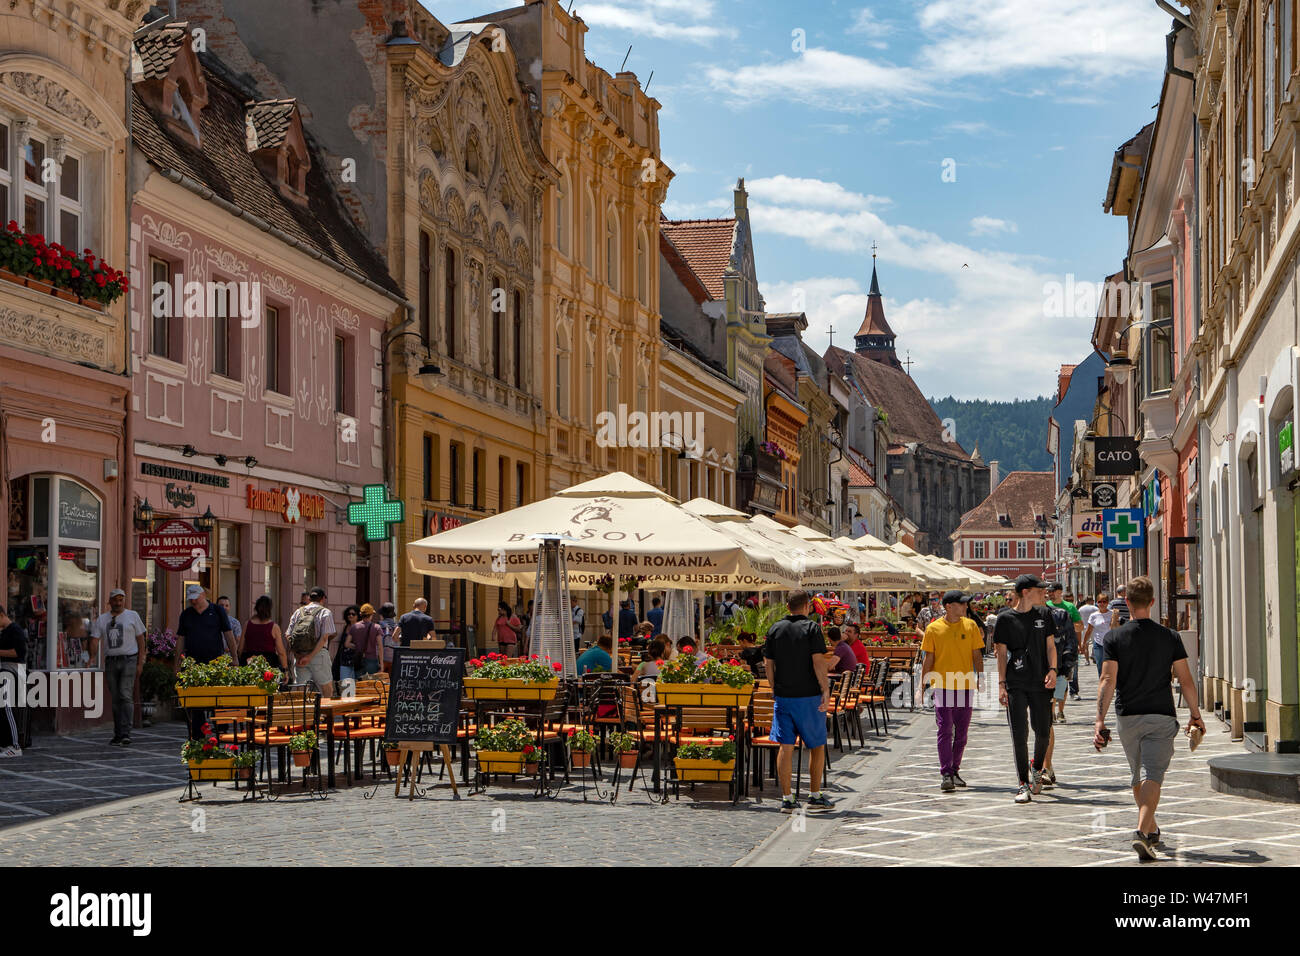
pixel 1012 433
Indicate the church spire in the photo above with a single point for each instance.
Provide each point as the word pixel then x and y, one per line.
pixel 875 339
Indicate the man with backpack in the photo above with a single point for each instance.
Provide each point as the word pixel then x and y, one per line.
pixel 310 629
pixel 727 608
pixel 1067 647
pixel 1057 600
pixel 1025 638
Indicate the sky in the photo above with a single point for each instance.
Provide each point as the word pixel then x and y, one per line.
pixel 970 140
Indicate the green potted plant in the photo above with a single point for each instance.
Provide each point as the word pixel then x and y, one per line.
pixel 582 744
pixel 500 747
pixel 392 755
pixel 491 677
pixel 712 763
pixel 222 683
pixel 713 683
pixel 627 747
pixel 302 745
pixel 246 763
pixel 533 758
pixel 207 759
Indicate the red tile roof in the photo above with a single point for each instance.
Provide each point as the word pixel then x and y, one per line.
pixel 1021 495
pixel 859 478
pixel 682 269
pixel 706 246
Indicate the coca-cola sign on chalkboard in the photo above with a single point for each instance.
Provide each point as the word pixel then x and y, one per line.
pixel 424 694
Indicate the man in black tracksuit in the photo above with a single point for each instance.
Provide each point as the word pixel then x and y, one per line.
pixel 1024 637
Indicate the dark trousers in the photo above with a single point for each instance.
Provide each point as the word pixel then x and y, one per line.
pixel 1038 705
pixel 1074 678
pixel 8 728
pixel 119 674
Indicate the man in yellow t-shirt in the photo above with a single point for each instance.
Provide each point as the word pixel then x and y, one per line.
pixel 954 665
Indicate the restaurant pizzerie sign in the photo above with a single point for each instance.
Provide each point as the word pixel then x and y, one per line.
pixel 291 504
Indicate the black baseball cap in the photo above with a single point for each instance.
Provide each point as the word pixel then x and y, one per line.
pixel 1055 586
pixel 1027 581
pixel 955 597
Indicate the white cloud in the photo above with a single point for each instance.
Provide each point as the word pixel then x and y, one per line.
pixel 979 303
pixel 824 77
pixel 988 226
pixel 712 209
pixel 970 127
pixel 866 23
pixel 663 19
pixel 817 193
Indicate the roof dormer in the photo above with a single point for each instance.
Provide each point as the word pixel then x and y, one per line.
pixel 275 140
pixel 166 72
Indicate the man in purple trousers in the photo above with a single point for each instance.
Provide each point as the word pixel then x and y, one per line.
pixel 954 666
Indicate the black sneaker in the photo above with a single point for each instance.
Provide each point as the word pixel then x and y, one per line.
pixel 789 806
pixel 125 742
pixel 115 741
pixel 956 778
pixel 820 804
pixel 948 785
pixel 1145 846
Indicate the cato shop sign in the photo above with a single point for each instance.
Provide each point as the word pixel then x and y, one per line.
pixel 291 504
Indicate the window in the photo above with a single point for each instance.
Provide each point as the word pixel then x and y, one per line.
pixel 454 489
pixel 226 352
pixel 449 302
pixel 1039 548
pixel 641 266
pixel 1245 108
pixel 517 324
pixel 563 364
pixel 977 549
pixel 317 554
pixel 428 468
pixel 426 327
pixel 34 191
pixel 6 179
pixel 49 189
pixel 611 385
pixel 498 305
pixel 1002 549
pixel 1159 339
pixel 55 532
pixel 1022 549
pixel 1272 71
pixel 69 202
pixel 271 568
pixel 277 352
pixel 164 337
pixel 562 214
pixel 589 232
pixel 502 473
pixel 611 249
pixel 476 479
pixel 344 388
pixel 521 484
pixel 229 539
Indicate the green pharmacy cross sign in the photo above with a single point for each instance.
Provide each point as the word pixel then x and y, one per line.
pixel 376 514
pixel 1123 528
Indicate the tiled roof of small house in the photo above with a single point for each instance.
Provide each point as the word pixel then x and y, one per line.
pixel 1020 495
pixel 706 245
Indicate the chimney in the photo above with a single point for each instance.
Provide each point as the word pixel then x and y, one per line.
pixel 994 478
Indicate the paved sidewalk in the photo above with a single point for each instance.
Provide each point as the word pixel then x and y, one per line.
pixel 899 817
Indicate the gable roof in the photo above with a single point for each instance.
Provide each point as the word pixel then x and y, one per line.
pixel 706 245
pixel 1021 495
pixel 155 52
pixel 682 269
pixel 911 418
pixel 225 166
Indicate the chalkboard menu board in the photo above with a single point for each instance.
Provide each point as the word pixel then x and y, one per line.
pixel 424 694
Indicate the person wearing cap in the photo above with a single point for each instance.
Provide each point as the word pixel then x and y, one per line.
pixel 122 632
pixel 204 634
pixel 931 612
pixel 954 666
pixel 13 655
pixel 315 664
pixel 1025 638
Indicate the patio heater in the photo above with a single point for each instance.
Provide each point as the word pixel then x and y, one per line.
pixel 552 628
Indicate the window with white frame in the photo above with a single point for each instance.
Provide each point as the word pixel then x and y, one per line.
pixel 1002 549
pixel 1022 549
pixel 977 549
pixel 1039 549
pixel 43 183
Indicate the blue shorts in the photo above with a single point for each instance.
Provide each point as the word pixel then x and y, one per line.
pixel 799 717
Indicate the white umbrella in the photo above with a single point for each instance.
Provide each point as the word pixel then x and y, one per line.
pixel 784 558
pixel 869 573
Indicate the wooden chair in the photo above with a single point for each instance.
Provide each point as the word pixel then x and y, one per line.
pixel 365 725
pixel 761 713
pixel 288 713
pixel 873 696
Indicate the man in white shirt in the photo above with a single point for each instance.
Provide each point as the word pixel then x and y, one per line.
pixel 122 632
pixel 1096 627
pixel 579 624
pixel 1086 611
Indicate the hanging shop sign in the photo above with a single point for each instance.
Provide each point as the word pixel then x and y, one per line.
pixel 175 545
pixel 1085 528
pixel 436 521
pixel 1116 457
pixel 1105 494
pixel 376 513
pixel 1124 528
pixel 291 504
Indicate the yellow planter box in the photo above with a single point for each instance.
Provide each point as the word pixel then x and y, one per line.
pixel 200 697
pixel 707 771
pixel 703 695
pixel 479 688
pixel 218 768
pixel 500 761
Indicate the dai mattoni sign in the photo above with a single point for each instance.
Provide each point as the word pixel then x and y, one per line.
pixel 1116 456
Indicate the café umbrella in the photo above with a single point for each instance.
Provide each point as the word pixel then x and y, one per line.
pixel 613 527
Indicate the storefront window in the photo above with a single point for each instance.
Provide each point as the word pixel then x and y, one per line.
pixel 55 564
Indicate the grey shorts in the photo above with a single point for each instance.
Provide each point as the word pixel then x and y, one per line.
pixel 1148 741
pixel 319 670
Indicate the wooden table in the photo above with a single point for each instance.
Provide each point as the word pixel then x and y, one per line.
pixel 330 707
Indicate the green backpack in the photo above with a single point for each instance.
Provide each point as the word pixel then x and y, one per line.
pixel 302 631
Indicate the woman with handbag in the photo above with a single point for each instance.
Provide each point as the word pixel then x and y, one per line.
pixel 345 654
pixel 367 642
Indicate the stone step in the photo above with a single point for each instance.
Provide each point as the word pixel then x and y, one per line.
pixel 1262 776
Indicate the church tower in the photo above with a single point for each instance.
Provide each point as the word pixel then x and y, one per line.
pixel 875 339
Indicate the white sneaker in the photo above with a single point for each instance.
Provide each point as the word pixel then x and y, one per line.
pixel 1022 795
pixel 11 752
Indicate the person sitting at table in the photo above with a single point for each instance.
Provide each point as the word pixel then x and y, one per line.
pixel 750 653
pixel 841 655
pixel 642 634
pixel 687 646
pixel 597 658
pixel 853 637
pixel 651 659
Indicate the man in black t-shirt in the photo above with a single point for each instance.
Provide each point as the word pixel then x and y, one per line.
pixel 795 656
pixel 13 654
pixel 1139 659
pixel 1024 637
pixel 414 625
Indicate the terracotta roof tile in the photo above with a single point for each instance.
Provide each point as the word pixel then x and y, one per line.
pixel 682 269
pixel 1021 495
pixel 706 245
pixel 267 121
pixel 154 52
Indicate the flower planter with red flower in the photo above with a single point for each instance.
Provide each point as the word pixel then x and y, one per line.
pixel 207 759
pixel 302 746
pixel 713 683
pixel 500 748
pixel 50 267
pixel 582 744
pixel 491 677
pixel 220 683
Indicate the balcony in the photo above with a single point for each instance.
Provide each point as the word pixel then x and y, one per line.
pixel 1159 418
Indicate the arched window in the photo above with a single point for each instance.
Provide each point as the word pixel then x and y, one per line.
pixel 518 329
pixel 450 287
pixel 55 535
pixel 611 248
pixel 642 265
pixel 562 214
